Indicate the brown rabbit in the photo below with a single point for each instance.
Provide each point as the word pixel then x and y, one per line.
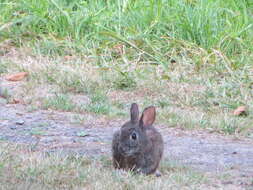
pixel 138 146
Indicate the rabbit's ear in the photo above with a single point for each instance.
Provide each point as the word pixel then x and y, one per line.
pixel 148 116
pixel 134 112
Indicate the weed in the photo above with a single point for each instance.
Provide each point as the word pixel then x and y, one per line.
pixel 4 93
pixel 50 48
pixel 37 131
pixel 99 103
pixel 79 119
pixel 124 81
pixel 3 67
pixel 59 102
pixel 163 103
pixel 32 108
pixel 229 126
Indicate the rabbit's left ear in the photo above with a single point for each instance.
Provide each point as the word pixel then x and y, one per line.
pixel 148 116
pixel 134 112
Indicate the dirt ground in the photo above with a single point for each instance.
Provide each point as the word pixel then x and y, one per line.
pixel 52 131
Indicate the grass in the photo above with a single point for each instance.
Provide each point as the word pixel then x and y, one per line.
pixel 24 169
pixel 37 131
pixel 59 102
pixel 146 26
pixel 124 81
pixel 191 59
pixel 99 104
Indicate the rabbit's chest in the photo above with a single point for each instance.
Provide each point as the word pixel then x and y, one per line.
pixel 134 163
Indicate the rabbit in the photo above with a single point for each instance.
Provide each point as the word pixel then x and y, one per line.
pixel 138 146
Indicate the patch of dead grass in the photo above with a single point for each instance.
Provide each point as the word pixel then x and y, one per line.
pixel 56 171
pixel 184 98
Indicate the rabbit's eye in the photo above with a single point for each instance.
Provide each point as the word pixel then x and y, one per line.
pixel 134 136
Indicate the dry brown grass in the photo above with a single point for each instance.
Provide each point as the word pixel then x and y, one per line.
pixel 23 169
pixel 183 96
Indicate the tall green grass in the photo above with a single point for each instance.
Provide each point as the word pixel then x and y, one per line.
pixel 151 27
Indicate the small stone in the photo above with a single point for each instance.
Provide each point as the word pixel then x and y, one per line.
pixel 20 122
pixel 82 134
pixel 13 127
pixel 158 174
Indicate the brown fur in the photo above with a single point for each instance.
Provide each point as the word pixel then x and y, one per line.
pixel 138 146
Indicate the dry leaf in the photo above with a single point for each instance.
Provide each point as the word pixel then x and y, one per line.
pixel 68 57
pixel 16 76
pixel 241 110
pixel 16 101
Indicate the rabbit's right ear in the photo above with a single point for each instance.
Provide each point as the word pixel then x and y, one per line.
pixel 148 116
pixel 134 112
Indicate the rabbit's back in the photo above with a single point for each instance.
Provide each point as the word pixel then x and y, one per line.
pixel 156 140
pixel 153 151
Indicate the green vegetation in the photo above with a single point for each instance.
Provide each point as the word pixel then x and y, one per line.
pixel 191 58
pixel 24 169
pixel 60 102
pixel 37 131
pixel 150 29
pixel 99 103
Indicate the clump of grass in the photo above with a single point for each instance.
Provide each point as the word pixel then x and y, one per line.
pixel 99 103
pixel 51 48
pixel 163 103
pixel 5 93
pixel 69 79
pixel 37 131
pixel 3 67
pixel 124 81
pixel 228 128
pixel 55 171
pixel 59 102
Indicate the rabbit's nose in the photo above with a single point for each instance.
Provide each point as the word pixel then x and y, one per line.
pixel 121 149
pixel 124 149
